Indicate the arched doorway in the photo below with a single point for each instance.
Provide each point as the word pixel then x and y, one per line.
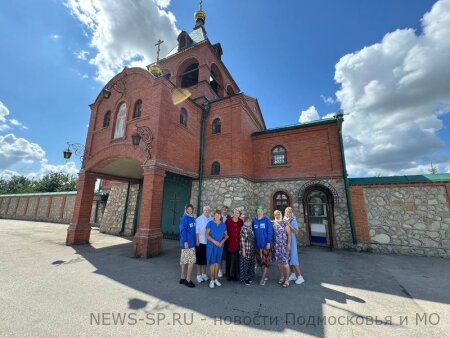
pixel 319 216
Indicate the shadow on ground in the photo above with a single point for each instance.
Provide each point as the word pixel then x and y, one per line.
pixel 271 307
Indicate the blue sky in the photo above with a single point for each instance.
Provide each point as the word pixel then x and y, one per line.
pixel 386 64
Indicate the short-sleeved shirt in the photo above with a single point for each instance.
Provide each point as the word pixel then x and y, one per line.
pixel 217 231
pixel 200 227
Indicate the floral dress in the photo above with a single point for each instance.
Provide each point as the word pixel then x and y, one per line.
pixel 280 238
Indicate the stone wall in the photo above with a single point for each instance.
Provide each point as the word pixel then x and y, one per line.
pixel 406 219
pixel 112 219
pixel 46 207
pixel 245 195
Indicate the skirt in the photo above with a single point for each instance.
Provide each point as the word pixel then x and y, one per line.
pixel 187 256
pixel 200 254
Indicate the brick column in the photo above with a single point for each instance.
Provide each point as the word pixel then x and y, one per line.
pixel 359 214
pixel 79 230
pixel 148 238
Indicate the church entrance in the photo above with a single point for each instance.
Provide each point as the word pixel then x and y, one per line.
pixel 177 193
pixel 318 207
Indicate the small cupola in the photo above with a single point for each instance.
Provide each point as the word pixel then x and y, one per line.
pixel 200 16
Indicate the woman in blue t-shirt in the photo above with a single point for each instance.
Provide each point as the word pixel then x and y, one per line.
pixel 216 234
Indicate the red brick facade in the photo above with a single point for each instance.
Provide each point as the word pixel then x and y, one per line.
pixel 312 151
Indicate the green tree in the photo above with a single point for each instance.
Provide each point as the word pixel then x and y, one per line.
pixel 51 182
pixel 17 185
pixel 55 181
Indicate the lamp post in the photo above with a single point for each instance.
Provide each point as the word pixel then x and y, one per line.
pixel 146 135
pixel 78 149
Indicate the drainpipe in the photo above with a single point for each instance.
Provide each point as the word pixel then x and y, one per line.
pixel 125 209
pixel 205 112
pixel 340 118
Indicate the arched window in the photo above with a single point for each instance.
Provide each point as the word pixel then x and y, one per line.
pixel 280 201
pixel 215 168
pixel 279 155
pixel 120 121
pixel 216 126
pixel 190 76
pixel 106 119
pixel 183 117
pixel 137 109
pixel 317 204
pixel 213 82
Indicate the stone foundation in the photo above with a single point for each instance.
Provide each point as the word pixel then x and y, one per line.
pixel 113 216
pixel 245 195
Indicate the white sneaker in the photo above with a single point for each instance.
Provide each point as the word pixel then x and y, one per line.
pixel 217 282
pixel 199 278
pixel 204 277
pixel 292 277
pixel 299 280
pixel 211 284
pixel 220 274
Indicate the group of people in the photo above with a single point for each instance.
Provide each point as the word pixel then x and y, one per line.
pixel 241 243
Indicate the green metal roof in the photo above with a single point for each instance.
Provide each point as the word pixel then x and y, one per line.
pixel 295 126
pixel 197 35
pixel 401 179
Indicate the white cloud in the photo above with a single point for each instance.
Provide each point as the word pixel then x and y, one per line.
pixel 82 55
pixel 4 112
pixel 123 33
pixel 5 123
pixel 15 150
pixel 393 94
pixel 309 115
pixel 17 123
pixel 55 37
pixel 18 152
pixel 30 157
pixel 328 99
pixel 7 174
pixel 46 168
pixel 83 76
pixel 163 3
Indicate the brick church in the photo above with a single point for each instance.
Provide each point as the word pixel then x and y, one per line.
pixel 183 131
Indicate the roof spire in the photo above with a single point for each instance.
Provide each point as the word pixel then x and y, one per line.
pixel 154 69
pixel 200 16
pixel 158 44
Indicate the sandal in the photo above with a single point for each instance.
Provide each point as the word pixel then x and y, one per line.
pixel 281 281
pixel 285 284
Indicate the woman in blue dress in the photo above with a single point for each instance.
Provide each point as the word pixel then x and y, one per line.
pixel 216 234
pixel 294 262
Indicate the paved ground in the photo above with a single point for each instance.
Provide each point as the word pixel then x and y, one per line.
pixel 49 289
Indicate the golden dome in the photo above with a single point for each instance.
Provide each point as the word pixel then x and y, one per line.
pixel 155 70
pixel 200 15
